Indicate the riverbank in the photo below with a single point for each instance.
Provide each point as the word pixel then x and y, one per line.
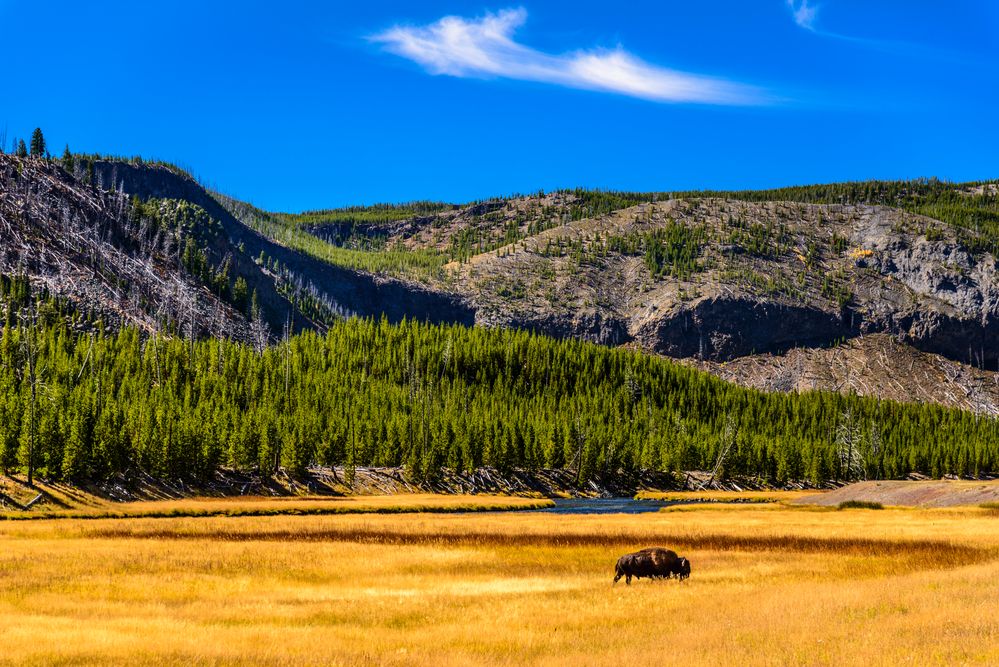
pixel 906 493
pixel 339 482
pixel 287 506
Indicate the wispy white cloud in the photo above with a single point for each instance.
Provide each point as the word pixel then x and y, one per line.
pixel 804 13
pixel 806 16
pixel 485 47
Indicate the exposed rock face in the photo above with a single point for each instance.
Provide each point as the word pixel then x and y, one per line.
pixel 804 289
pixel 726 327
pixel 954 294
pixel 875 365
pixel 590 327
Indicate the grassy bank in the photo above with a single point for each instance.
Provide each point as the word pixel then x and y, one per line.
pixel 296 506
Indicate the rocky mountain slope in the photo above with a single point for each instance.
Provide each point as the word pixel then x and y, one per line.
pixel 874 365
pixel 767 286
pixel 87 245
pixel 756 277
pixel 782 295
pixel 330 291
pixel 146 245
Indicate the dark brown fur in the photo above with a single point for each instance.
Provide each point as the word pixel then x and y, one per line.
pixel 652 563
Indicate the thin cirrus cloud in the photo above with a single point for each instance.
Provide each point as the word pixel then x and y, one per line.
pixel 804 13
pixel 485 47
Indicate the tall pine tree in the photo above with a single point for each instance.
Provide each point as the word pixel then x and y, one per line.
pixel 67 160
pixel 37 143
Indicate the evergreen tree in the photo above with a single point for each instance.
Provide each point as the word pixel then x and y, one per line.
pixel 240 293
pixel 37 143
pixel 67 160
pixel 22 149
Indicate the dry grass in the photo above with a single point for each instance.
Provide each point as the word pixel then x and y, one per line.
pixel 296 505
pixel 771 585
pixel 725 496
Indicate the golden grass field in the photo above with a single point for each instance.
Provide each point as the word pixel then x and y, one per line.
pixel 283 505
pixel 771 585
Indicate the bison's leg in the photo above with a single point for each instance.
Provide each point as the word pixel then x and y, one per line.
pixel 627 579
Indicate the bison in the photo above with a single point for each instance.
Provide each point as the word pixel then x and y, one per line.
pixel 653 563
pixel 684 571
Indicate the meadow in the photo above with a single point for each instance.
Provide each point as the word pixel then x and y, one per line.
pixel 771 584
pixel 78 505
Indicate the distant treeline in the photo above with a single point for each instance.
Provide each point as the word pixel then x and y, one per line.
pixel 77 405
pixel 587 203
pixel 973 207
pixel 374 214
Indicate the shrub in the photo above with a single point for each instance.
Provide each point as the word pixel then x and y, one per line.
pixel 859 505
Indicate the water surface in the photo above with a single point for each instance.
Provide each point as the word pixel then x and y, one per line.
pixel 604 506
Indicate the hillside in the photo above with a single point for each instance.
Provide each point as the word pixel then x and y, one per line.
pixel 721 277
pixel 875 365
pixel 436 398
pixel 321 292
pixel 781 290
pixel 131 243
pixel 90 247
pixel 780 296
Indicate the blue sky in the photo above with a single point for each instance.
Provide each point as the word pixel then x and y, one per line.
pixel 298 105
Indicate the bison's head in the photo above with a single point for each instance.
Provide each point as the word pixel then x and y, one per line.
pixel 684 570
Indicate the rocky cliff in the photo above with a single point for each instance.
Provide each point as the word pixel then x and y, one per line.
pixel 765 278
